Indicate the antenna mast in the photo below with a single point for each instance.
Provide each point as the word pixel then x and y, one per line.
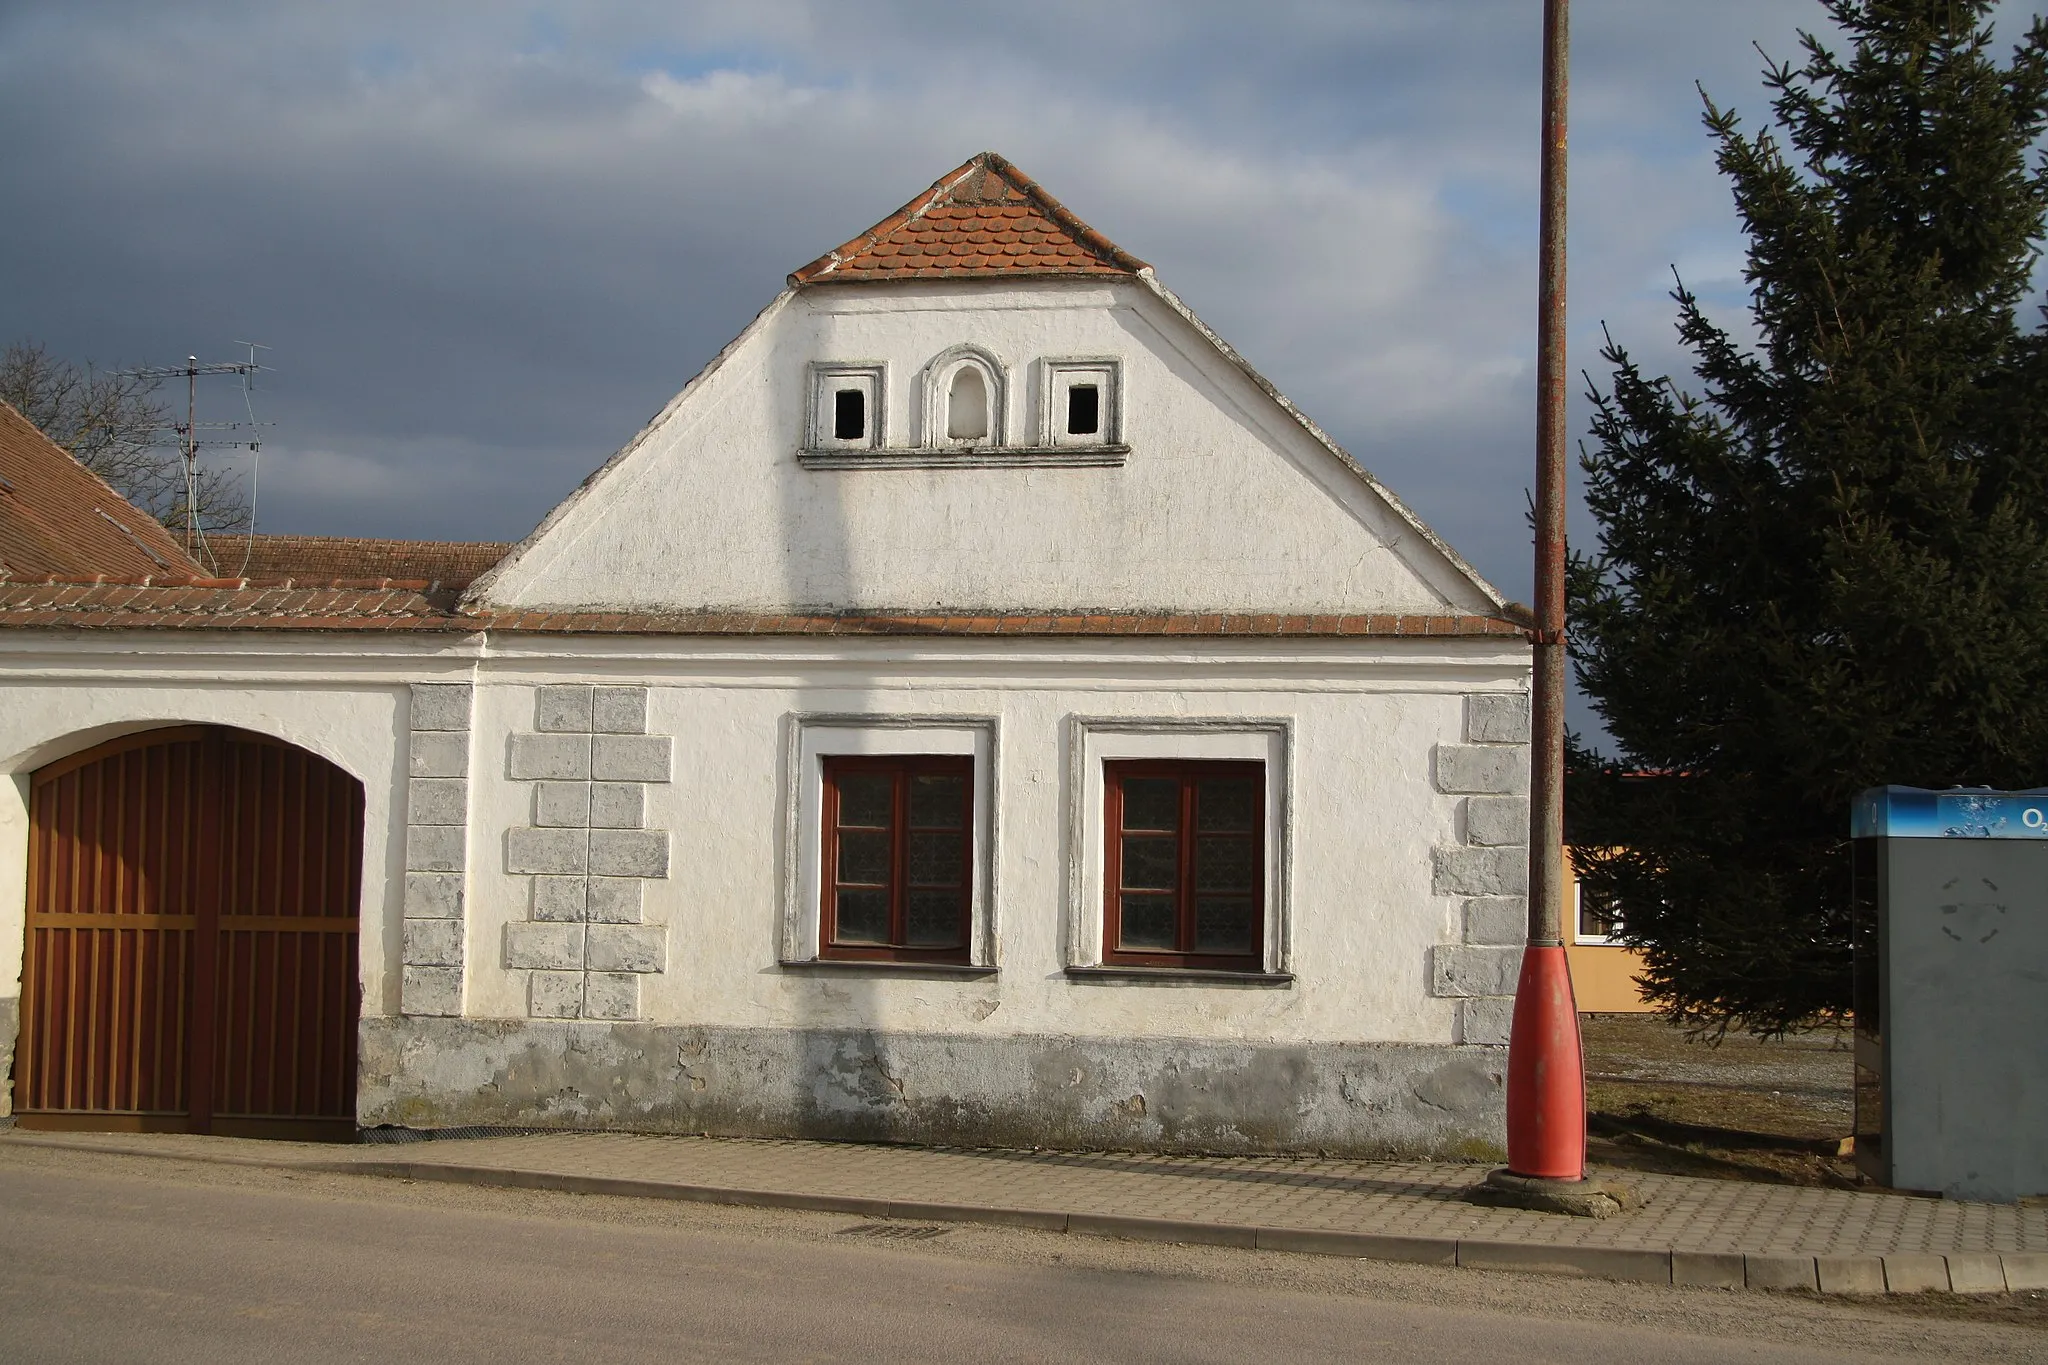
pixel 187 433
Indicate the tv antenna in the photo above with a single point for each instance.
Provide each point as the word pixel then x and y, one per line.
pixel 190 442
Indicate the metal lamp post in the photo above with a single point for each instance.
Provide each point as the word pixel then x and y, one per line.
pixel 1546 1089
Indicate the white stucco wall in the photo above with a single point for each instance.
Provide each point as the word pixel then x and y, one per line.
pixel 1363 819
pixel 1224 503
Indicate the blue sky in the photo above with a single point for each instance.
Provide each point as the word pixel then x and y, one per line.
pixel 487 241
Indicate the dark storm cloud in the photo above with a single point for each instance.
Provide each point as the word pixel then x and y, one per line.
pixel 488 243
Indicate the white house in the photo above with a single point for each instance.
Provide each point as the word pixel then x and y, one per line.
pixel 978 709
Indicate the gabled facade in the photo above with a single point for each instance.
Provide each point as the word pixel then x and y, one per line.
pixel 978 708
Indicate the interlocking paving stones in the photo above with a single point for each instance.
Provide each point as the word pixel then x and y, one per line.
pixel 1688 1231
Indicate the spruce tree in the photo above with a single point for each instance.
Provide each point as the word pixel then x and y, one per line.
pixel 1823 566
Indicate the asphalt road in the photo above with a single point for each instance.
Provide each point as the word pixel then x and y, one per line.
pixel 119 1259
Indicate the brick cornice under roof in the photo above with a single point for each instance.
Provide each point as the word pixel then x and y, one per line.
pixel 290 605
pixel 984 219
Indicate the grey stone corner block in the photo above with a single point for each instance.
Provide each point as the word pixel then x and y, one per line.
pixel 555 995
pixel 559 899
pixel 1482 769
pixel 611 995
pixel 440 754
pixel 433 942
pixel 1497 717
pixel 618 805
pixel 1461 969
pixel 564 805
pixel 431 990
pixel 1479 871
pixel 614 900
pixel 441 706
pixel 1486 1020
pixel 434 848
pixel 433 895
pixel 1497 820
pixel 437 801
pixel 1498 920
pixel 561 758
pixel 627 947
pixel 557 852
pixel 562 708
pixel 547 947
pixel 631 758
pixel 619 711
pixel 628 853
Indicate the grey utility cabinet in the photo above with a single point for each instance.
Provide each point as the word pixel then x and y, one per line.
pixel 1951 990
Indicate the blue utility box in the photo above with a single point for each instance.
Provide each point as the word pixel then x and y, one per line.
pixel 1951 990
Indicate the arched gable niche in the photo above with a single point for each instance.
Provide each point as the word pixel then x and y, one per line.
pixel 966 400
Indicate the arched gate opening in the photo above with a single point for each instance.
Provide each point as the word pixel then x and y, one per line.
pixel 192 935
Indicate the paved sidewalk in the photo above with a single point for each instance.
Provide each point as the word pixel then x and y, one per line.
pixel 1690 1232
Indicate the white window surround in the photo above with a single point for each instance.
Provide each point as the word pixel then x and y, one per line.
pixel 1093 740
pixel 938 387
pixel 1583 940
pixel 868 377
pixel 813 738
pixel 1059 374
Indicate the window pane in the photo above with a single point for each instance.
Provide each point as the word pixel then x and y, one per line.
pixel 1084 410
pixel 849 415
pixel 1225 863
pixel 1225 804
pixel 863 917
pixel 865 799
pixel 1597 918
pixel 864 857
pixel 937 802
pixel 1151 864
pixel 937 859
pixel 935 920
pixel 1152 803
pixel 1147 922
pixel 1223 924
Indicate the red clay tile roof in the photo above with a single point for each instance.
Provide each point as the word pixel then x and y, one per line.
pixel 450 563
pixel 239 604
pixel 57 516
pixel 984 219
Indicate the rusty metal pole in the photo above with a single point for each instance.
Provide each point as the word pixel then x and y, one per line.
pixel 1546 1093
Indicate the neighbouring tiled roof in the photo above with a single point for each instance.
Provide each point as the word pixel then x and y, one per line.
pixel 984 219
pixel 450 563
pixel 239 604
pixel 58 517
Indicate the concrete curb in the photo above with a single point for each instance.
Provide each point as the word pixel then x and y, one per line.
pixel 1974 1272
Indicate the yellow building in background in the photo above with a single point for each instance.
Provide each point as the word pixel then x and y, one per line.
pixel 1603 971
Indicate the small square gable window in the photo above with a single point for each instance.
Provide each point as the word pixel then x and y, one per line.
pixel 1082 403
pixel 846 409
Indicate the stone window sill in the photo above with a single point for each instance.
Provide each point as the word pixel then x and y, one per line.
pixel 1180 976
pixel 1005 457
pixel 882 968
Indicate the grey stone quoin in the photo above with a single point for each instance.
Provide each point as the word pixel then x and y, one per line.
pixel 1488 869
pixel 587 852
pixel 436 839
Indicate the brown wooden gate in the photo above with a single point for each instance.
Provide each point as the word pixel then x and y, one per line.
pixel 191 955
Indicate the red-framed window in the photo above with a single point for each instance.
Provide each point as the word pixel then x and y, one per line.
pixel 898 850
pixel 1185 855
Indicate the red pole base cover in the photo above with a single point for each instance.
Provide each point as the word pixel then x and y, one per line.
pixel 1546 1072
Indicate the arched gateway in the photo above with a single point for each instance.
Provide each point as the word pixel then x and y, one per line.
pixel 192 930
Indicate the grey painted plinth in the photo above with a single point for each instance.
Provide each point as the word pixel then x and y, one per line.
pixel 1146 1094
pixel 10 1029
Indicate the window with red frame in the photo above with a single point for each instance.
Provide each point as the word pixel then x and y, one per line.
pixel 1185 856
pixel 898 858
